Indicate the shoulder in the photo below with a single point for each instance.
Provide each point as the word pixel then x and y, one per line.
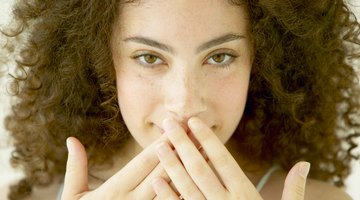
pixel 46 192
pixel 320 190
pixel 314 190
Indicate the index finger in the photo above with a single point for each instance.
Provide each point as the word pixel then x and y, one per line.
pixel 223 162
pixel 134 172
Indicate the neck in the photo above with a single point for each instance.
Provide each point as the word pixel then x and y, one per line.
pixel 253 170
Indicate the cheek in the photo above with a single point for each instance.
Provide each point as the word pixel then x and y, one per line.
pixel 230 92
pixel 229 102
pixel 136 98
pixel 137 101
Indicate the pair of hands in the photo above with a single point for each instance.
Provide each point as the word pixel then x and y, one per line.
pixel 149 174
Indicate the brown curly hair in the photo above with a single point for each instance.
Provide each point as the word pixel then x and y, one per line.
pixel 303 88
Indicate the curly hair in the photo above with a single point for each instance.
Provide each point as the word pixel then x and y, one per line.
pixel 303 88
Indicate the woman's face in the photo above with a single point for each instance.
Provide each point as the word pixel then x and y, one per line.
pixel 178 59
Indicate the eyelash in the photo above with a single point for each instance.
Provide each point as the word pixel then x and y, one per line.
pixel 229 58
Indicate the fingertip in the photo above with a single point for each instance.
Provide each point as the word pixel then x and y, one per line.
pixel 195 124
pixel 75 181
pixel 295 182
pixel 74 146
pixel 304 169
pixel 194 121
pixel 70 145
pixel 169 124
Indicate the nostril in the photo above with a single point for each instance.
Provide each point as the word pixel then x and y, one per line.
pixel 213 128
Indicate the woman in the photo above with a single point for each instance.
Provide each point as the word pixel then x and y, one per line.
pixel 185 99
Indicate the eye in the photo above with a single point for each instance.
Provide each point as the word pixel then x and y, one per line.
pixel 149 59
pixel 221 58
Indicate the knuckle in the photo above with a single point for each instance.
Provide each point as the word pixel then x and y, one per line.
pixel 173 163
pixel 162 173
pixel 298 191
pixel 146 163
pixel 221 160
pixel 198 169
pixel 197 195
pixel 191 191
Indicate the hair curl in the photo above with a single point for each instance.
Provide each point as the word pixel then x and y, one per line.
pixel 303 87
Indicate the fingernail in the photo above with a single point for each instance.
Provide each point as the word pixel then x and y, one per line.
pixel 304 169
pixel 69 145
pixel 194 123
pixel 162 149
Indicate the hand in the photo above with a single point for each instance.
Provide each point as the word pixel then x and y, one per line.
pixel 220 178
pixel 132 182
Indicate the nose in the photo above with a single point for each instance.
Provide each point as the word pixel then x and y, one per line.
pixel 185 95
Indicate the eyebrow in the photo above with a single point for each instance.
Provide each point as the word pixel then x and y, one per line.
pixel 214 42
pixel 150 42
pixel 219 40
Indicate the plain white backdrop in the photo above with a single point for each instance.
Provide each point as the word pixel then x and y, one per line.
pixel 8 175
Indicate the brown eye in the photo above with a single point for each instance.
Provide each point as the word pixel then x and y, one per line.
pixel 218 58
pixel 150 59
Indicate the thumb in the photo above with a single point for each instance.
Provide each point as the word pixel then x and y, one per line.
pixel 76 176
pixel 294 186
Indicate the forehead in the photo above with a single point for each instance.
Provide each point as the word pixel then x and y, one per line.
pixel 182 18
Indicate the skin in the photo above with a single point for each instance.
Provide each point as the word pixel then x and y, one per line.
pixel 176 101
pixel 184 80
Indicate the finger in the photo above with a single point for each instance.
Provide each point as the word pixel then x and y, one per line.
pixel 76 176
pixel 134 172
pixel 180 178
pixel 163 189
pixel 223 162
pixel 294 187
pixel 196 166
pixel 145 189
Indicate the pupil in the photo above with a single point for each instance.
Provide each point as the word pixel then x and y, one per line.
pixel 219 58
pixel 150 58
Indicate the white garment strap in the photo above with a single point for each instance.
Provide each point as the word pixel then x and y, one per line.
pixel 266 177
pixel 60 192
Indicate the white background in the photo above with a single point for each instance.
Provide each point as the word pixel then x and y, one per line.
pixel 9 175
